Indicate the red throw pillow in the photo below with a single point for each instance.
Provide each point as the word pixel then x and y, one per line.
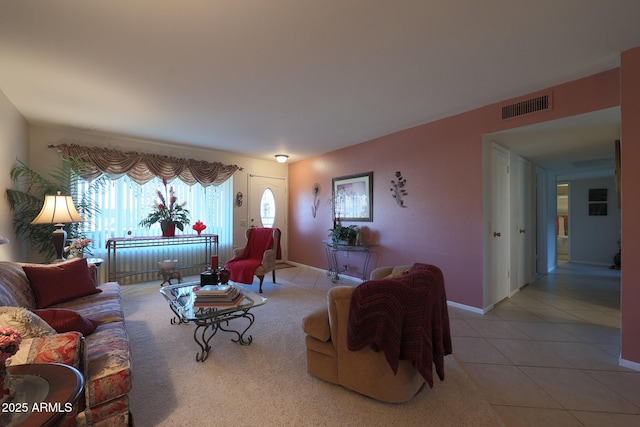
pixel 65 320
pixel 56 283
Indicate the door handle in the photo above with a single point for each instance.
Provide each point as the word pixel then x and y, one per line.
pixel 522 231
pixel 496 234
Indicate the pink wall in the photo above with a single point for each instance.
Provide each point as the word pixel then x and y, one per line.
pixel 630 189
pixel 442 162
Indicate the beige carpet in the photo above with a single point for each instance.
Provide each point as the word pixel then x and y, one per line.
pixel 266 383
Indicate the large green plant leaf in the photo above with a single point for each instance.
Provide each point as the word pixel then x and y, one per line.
pixel 27 198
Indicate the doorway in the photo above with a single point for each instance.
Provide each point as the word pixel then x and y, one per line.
pixel 562 224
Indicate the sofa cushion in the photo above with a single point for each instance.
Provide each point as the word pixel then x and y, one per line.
pixel 66 348
pixel 65 320
pixel 105 307
pixel 15 290
pixel 28 324
pixel 112 413
pixel 55 283
pixel 397 274
pixel 316 324
pixel 109 364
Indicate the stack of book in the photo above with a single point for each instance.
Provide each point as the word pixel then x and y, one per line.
pixel 218 296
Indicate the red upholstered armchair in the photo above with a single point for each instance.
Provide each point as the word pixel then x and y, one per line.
pixel 258 257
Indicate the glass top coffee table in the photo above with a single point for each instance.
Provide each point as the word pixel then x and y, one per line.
pixel 209 320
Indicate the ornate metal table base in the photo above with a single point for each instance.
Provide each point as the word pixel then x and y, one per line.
pixel 206 329
pixel 208 319
pixel 332 257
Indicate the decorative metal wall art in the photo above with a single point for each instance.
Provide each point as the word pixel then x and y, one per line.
pixel 398 189
pixel 316 201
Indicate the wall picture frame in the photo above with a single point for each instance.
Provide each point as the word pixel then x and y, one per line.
pixel 597 194
pixel 353 197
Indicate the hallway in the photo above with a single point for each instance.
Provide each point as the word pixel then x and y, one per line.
pixel 549 355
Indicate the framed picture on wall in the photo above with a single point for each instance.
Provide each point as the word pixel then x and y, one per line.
pixel 353 197
pixel 597 194
pixel 597 209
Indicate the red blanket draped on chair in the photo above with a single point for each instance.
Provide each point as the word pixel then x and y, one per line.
pixel 243 267
pixel 406 318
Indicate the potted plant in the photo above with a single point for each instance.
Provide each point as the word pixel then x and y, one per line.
pixel 27 198
pixel 344 234
pixel 167 212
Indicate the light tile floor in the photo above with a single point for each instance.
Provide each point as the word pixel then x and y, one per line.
pixel 548 356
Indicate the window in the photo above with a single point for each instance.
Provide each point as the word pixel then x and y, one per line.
pixel 267 208
pixel 123 203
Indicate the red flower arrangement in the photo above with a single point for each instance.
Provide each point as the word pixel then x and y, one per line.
pixel 166 210
pixel 10 340
pixel 199 226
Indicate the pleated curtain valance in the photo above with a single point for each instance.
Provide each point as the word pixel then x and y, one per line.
pixel 142 167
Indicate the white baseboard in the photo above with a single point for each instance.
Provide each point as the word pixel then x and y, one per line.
pixel 357 280
pixel 324 270
pixel 468 307
pixel 629 364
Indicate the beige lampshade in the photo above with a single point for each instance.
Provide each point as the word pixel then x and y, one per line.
pixel 57 209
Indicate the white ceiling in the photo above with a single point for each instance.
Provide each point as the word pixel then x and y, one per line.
pixel 299 77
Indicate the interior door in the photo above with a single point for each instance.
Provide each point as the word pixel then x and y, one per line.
pixel 523 228
pixel 500 224
pixel 268 205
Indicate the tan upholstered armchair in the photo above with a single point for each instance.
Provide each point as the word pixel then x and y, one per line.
pixel 365 371
pixel 258 257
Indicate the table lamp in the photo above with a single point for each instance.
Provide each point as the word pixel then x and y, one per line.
pixel 58 210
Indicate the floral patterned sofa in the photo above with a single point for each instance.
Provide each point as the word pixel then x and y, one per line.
pixel 71 320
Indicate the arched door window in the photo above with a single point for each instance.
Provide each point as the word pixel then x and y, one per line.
pixel 267 208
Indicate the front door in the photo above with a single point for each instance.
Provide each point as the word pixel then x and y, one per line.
pixel 268 205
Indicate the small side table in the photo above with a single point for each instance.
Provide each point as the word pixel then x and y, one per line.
pixel 97 262
pixel 53 387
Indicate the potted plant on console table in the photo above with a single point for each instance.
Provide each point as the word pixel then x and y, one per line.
pixel 167 212
pixel 344 235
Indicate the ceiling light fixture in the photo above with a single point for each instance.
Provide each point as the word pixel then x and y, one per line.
pixel 281 158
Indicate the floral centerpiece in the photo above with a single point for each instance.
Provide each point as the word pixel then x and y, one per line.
pixel 10 341
pixel 168 212
pixel 77 247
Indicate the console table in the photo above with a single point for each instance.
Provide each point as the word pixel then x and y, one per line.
pixel 332 257
pixel 209 243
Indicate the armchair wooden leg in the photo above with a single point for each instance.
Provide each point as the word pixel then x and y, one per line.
pixel 261 279
pixel 273 273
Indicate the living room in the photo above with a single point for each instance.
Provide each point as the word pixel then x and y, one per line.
pixel 441 157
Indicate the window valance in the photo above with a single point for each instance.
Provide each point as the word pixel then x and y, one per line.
pixel 142 167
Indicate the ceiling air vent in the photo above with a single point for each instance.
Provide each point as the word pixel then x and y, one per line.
pixel 528 106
